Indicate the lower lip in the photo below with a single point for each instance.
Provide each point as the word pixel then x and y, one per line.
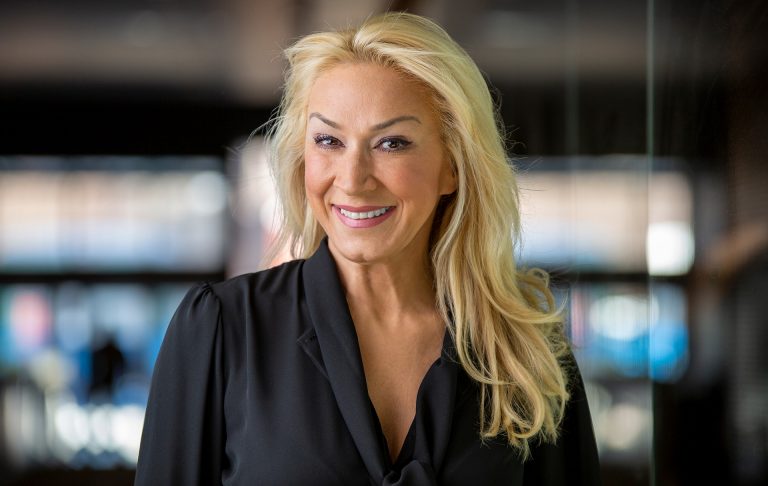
pixel 363 223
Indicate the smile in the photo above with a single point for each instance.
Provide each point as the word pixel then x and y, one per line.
pixel 363 217
pixel 364 214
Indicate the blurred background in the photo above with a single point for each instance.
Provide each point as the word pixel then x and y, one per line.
pixel 131 167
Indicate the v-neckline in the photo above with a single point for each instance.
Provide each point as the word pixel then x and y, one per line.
pixel 407 443
pixel 340 358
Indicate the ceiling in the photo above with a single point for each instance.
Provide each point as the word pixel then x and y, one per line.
pixel 233 47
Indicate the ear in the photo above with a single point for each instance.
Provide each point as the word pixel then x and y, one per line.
pixel 448 179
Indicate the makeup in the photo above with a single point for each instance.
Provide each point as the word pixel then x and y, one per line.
pixel 362 216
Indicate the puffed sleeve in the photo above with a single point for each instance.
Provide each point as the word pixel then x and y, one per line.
pixel 183 437
pixel 573 460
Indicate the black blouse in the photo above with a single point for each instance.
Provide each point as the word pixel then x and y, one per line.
pixel 260 381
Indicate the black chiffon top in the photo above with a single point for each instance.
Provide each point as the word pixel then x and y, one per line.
pixel 260 381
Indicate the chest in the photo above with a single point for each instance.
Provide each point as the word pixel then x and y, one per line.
pixel 394 368
pixel 297 409
pixel 292 432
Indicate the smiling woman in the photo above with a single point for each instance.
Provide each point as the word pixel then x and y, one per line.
pixel 374 191
pixel 402 346
pixel 374 177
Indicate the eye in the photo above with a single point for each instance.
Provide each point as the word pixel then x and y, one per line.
pixel 327 142
pixel 393 144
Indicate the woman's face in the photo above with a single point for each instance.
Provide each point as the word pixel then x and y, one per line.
pixel 375 165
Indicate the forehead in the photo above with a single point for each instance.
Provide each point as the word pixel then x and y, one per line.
pixel 368 91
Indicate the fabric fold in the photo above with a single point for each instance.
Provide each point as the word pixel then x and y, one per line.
pixel 340 351
pixel 340 355
pixel 414 473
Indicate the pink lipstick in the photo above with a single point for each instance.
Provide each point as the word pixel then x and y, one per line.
pixel 362 216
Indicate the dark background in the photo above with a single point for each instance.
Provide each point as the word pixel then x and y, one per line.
pixel 680 79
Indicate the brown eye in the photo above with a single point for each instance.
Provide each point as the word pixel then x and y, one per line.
pixel 393 144
pixel 327 141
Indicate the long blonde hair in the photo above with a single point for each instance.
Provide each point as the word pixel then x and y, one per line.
pixel 507 331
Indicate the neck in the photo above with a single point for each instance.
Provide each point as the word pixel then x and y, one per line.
pixel 385 292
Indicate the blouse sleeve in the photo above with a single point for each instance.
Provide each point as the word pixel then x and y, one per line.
pixel 183 437
pixel 573 460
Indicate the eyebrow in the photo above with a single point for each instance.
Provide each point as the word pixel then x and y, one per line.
pixel 378 126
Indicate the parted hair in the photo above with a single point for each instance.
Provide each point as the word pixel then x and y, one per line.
pixel 507 330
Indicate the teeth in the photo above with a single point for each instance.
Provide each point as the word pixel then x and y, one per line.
pixel 364 214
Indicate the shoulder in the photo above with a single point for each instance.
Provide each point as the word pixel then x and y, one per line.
pixel 233 312
pixel 207 302
pixel 265 283
pixel 258 292
pixel 261 305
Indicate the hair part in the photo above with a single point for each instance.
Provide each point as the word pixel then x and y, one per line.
pixel 508 333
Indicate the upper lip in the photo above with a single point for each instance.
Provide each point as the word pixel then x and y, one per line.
pixel 360 209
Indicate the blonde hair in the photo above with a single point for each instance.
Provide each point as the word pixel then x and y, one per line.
pixel 507 331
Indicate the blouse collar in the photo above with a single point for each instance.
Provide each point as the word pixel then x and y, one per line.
pixel 336 352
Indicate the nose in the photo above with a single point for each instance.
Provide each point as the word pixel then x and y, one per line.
pixel 354 172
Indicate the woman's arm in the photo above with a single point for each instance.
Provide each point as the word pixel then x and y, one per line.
pixel 183 438
pixel 573 460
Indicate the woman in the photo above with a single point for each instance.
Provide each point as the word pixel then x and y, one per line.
pixel 403 347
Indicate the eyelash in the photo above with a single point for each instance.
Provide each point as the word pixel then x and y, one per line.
pixel 320 139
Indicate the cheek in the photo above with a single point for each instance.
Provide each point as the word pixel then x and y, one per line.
pixel 420 180
pixel 311 171
pixel 316 178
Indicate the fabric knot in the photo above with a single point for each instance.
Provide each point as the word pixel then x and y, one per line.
pixel 414 473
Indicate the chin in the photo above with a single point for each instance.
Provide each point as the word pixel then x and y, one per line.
pixel 357 252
